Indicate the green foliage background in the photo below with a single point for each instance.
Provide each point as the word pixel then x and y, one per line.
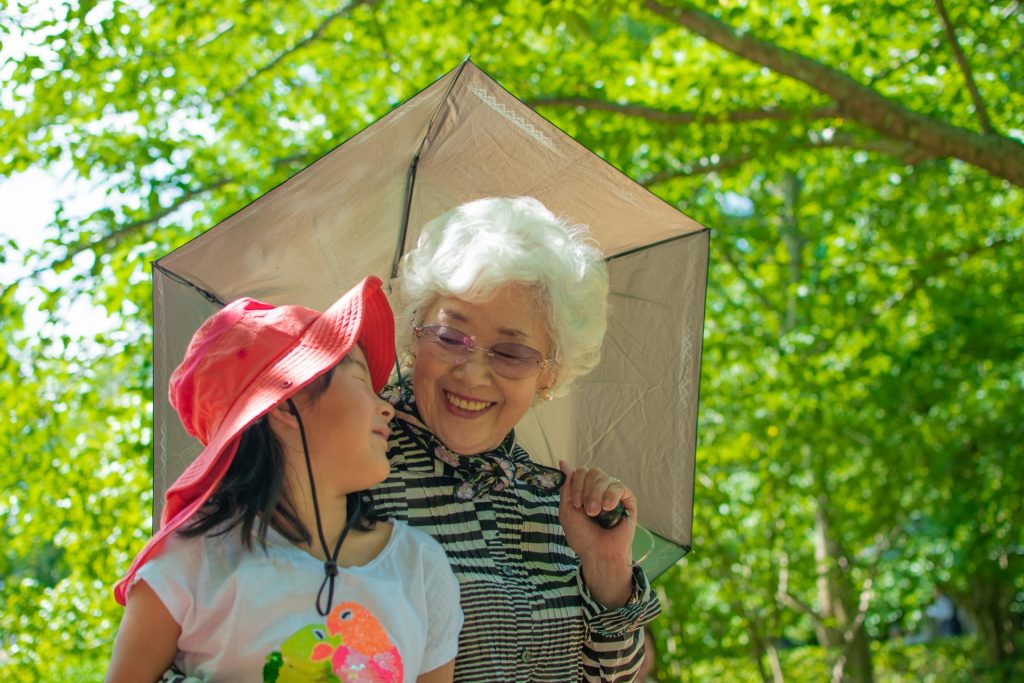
pixel 860 163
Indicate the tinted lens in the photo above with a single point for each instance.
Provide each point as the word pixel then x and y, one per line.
pixel 449 336
pixel 447 342
pixel 519 352
pixel 508 359
pixel 515 360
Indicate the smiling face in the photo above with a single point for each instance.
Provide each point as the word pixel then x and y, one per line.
pixel 468 406
pixel 346 428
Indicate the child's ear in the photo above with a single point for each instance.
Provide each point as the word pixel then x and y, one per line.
pixel 282 415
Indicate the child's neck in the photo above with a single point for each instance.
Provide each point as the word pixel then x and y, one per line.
pixel 358 548
pixel 333 518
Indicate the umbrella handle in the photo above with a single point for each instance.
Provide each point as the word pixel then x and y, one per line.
pixel 612 518
pixel 609 519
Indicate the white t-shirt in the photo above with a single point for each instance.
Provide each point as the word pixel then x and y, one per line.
pixel 239 609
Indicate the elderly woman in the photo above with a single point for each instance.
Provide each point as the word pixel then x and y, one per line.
pixel 501 305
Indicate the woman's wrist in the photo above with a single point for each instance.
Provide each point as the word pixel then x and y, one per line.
pixel 609 582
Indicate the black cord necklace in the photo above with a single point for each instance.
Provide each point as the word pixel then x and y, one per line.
pixel 354 510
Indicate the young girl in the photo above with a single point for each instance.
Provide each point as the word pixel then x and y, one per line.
pixel 269 563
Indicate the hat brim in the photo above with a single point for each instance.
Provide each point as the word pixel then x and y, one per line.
pixel 362 316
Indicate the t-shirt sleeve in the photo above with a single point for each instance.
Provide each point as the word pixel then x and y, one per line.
pixel 444 618
pixel 171 574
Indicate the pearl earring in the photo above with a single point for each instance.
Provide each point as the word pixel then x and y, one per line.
pixel 409 362
pixel 544 395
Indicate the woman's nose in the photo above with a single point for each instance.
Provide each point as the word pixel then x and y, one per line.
pixel 476 367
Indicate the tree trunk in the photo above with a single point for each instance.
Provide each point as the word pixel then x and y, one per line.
pixel 858 654
pixel 837 625
pixel 759 660
pixel 837 605
pixel 764 649
pixel 987 603
pixel 775 663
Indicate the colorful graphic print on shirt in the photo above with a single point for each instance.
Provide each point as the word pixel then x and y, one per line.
pixel 351 646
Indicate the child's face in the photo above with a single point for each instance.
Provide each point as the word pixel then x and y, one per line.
pixel 347 428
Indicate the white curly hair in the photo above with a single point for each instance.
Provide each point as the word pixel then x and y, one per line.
pixel 483 245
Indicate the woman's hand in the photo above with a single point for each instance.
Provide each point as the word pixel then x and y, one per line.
pixel 605 554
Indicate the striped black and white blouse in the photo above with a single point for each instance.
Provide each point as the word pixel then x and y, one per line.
pixel 529 616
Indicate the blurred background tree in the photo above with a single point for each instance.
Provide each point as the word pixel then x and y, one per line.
pixel 860 164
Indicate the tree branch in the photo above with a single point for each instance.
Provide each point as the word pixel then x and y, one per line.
pixel 112 238
pixel 901 151
pixel 979 106
pixel 388 53
pixel 382 37
pixel 317 33
pixel 1001 156
pixel 688 170
pixel 766 340
pixel 783 597
pixel 850 632
pixel 906 152
pixel 756 291
pixel 664 116
pixel 912 56
pixel 941 257
pixel 917 280
pixel 217 33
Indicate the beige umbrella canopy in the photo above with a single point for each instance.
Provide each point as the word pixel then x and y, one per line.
pixel 355 210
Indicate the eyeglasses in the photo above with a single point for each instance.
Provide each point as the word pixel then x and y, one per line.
pixel 508 359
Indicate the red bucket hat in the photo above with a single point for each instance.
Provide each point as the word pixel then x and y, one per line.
pixel 243 361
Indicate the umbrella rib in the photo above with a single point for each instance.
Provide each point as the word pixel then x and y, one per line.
pixel 410 182
pixel 645 247
pixel 209 296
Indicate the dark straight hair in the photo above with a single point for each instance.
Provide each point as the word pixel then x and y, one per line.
pixel 251 494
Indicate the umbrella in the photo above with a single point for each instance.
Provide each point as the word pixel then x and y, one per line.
pixel 355 210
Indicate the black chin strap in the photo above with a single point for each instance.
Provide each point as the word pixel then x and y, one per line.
pixel 354 513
